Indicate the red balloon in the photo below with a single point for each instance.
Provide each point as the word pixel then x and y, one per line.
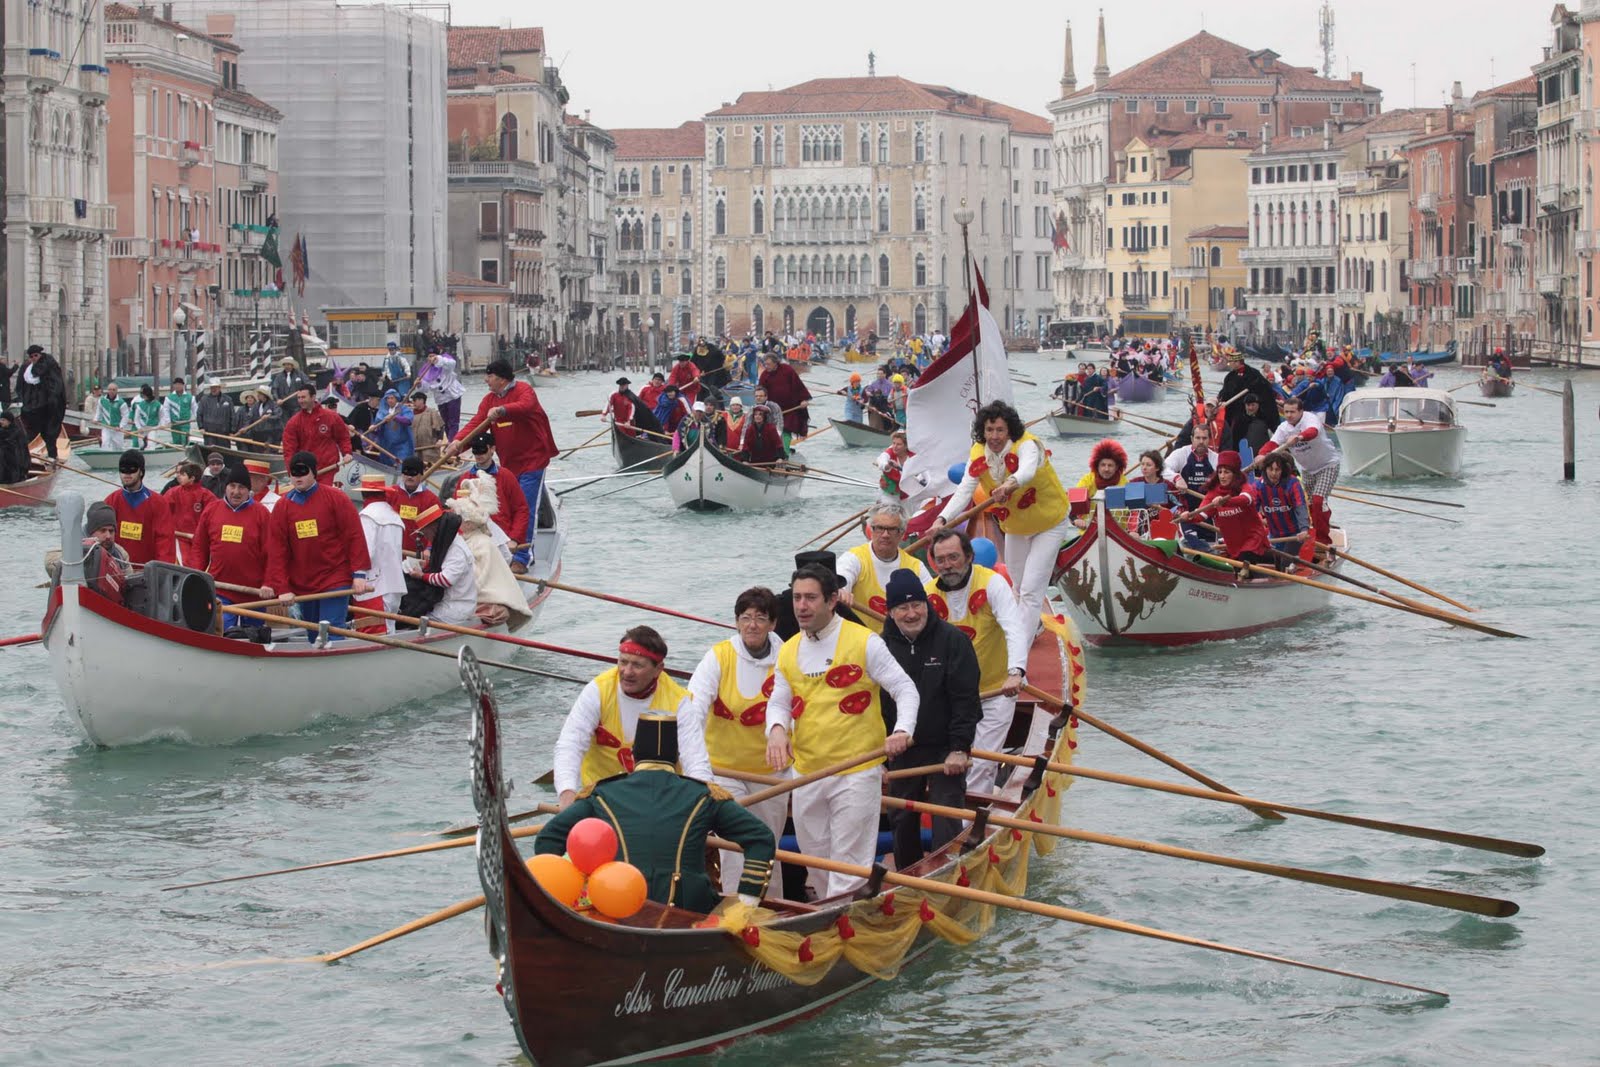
pixel 1000 569
pixel 590 843
pixel 617 889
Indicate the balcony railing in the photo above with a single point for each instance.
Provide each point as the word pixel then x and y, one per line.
pixel 129 248
pixel 188 154
pixel 244 240
pixel 1428 203
pixel 253 174
pixel 1548 284
pixel 1071 260
pixel 1275 254
pixel 1136 301
pixel 518 172
pixel 1424 270
pixel 94 82
pixel 1549 197
pixel 45 67
pixel 843 290
pixel 1350 297
pixel 1585 242
pixel 60 212
pixel 810 236
pixel 1511 234
pixel 1190 273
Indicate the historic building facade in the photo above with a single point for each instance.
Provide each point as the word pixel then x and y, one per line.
pixel 1559 153
pixel 657 234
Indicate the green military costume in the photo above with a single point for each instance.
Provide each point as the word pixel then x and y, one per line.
pixel 662 821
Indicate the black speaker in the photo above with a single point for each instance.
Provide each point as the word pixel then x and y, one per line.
pixel 181 596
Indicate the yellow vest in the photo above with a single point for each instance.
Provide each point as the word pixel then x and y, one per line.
pixel 867 591
pixel 610 752
pixel 1035 507
pixel 979 624
pixel 839 713
pixel 736 729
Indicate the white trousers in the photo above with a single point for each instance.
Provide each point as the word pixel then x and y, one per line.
pixel 774 813
pixel 991 735
pixel 1030 560
pixel 837 818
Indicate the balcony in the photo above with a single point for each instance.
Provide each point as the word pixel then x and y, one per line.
pixel 843 290
pixel 45 69
pixel 1584 242
pixel 1136 301
pixel 129 248
pixel 243 240
pixel 1071 260
pixel 1494 303
pixel 94 84
pixel 1511 235
pixel 1428 203
pixel 1189 273
pixel 189 154
pixel 1350 298
pixel 517 174
pixel 253 175
pixel 1425 270
pixel 65 214
pixel 196 255
pixel 629 302
pixel 1549 198
pixel 820 237
pixel 1548 284
pixel 1444 314
pixel 1277 254
pixel 252 301
pixel 1467 265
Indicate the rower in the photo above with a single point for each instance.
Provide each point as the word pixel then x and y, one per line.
pixel 231 543
pixel 1281 502
pixel 1305 436
pixel 1233 501
pixel 864 570
pixel 662 820
pixel 597 739
pixel 980 603
pixel 619 408
pixel 144 519
pixel 728 707
pixel 410 496
pixel 891 463
pixel 826 694
pixel 315 544
pixel 316 431
pixel 1192 466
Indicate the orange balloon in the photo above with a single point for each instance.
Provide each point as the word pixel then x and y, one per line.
pixel 590 843
pixel 558 876
pixel 617 889
pixel 979 495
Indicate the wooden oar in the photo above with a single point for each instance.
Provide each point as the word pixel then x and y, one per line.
pixel 806 779
pixel 1418 586
pixel 20 639
pixel 814 433
pixel 444 456
pixel 934 887
pixel 1463 385
pixel 458 908
pixel 589 413
pixel 951 525
pixel 1428 613
pixel 1438 898
pixel 1128 739
pixel 299 598
pixel 610 598
pixel 1341 495
pixel 604 432
pixel 1451 837
pixel 656 476
pixel 603 477
pixel 1478 403
pixel 846 521
pixel 60 464
pixel 1397 496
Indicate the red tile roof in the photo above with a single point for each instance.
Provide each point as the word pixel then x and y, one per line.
pixel 1521 87
pixel 1221 233
pixel 471 45
pixel 685 142
pixel 1181 69
pixel 847 96
pixel 244 99
pixel 455 279
pixel 470 80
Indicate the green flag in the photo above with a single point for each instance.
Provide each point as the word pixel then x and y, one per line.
pixel 269 249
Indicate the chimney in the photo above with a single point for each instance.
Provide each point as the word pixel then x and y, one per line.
pixel 1455 96
pixel 1427 124
pixel 1266 135
pixel 1327 133
pixel 1102 69
pixel 1069 79
pixel 166 12
pixel 1355 79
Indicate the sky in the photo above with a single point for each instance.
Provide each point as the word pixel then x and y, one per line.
pixel 632 63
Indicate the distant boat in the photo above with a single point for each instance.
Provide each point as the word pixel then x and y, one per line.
pixel 1426 359
pixel 641 453
pixel 1400 432
pixel 1489 386
pixel 1134 389
pixel 860 435
pixel 1082 426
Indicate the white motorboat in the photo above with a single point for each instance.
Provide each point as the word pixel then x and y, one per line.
pixel 705 478
pixel 1400 432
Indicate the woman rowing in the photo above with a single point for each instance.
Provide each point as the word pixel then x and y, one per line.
pixel 1231 501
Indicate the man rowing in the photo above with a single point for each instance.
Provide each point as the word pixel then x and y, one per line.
pixel 316 431
pixel 596 740
pixel 410 496
pixel 144 518
pixel 230 543
pixel 1306 438
pixel 826 707
pixel 864 570
pixel 315 545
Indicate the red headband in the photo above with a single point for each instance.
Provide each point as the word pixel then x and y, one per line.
pixel 633 648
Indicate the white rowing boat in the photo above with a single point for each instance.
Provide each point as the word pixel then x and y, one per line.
pixel 860 435
pixel 1400 432
pixel 705 478
pixel 156 458
pixel 1123 590
pixel 1080 426
pixel 126 678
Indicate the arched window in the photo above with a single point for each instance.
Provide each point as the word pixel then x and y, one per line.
pixel 983 151
pixel 1005 273
pixel 655 233
pixel 508 136
pixel 805 271
pixel 850 213
pixel 623 235
pixel 758 218
pixel 1005 213
pixel 883 271
pixel 633 180
pixel 721 218
pixel 827 214
pixel 1216 255
pixel 655 181
pixel 838 147
pixel 851 276
pixel 921 275
pixel 777 146
pixel 827 271
pixel 919 146
pixel 758 146
pixel 805 148
pixel 866 270
pixel 688 181
pixel 919 320
pixel 883 320
pixel 944 270
pixel 758 273
pixel 758 321
pixel 919 214
pixel 719 150
pixel 794 276
pixel 633 282
pixel 883 147
pixel 655 282
pixel 816 212
pixel 883 213
pixel 983 216
pixel 866 145
pixel 941 148
pixel 779 277
pixel 941 214
pixel 719 277
pixel 686 282
pixel 622 182
pixel 719 321
pixel 687 225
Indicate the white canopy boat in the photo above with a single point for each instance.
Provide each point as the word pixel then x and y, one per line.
pixel 1400 432
pixel 705 478
pixel 126 678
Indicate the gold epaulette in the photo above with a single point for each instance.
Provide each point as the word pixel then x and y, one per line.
pixel 717 792
pixel 583 794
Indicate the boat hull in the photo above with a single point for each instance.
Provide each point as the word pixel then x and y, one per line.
pixel 106 459
pixel 31 493
pixel 638 453
pixel 860 435
pixel 1122 591
pixel 1133 389
pixel 1376 451
pixel 1078 426
pixel 707 479
pixel 1496 386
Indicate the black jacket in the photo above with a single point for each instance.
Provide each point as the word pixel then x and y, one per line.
pixel 944 665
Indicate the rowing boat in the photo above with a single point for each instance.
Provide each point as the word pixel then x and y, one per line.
pixel 1400 432
pixel 580 989
pixel 1493 387
pixel 705 478
pixel 1134 389
pixel 35 491
pixel 156 458
pixel 1123 590
pixel 1083 426
pixel 641 453
pixel 860 435
pixel 126 678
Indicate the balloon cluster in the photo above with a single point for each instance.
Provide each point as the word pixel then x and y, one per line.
pixel 590 868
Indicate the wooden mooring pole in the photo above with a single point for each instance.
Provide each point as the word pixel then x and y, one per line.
pixel 1568 434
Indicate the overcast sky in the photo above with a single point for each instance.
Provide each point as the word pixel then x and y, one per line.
pixel 651 63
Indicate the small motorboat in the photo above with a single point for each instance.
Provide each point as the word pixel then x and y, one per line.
pixel 1400 432
pixel 156 457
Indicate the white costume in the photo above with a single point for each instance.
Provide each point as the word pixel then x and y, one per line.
pixel 385 535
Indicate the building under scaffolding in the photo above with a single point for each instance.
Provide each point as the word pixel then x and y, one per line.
pixel 361 144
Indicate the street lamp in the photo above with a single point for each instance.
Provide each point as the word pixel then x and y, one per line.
pixel 180 320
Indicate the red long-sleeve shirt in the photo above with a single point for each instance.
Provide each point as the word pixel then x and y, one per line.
pixel 187 503
pixel 409 505
pixel 320 432
pixel 315 542
pixel 513 514
pixel 522 439
pixel 1237 519
pixel 686 376
pixel 231 543
pixel 144 525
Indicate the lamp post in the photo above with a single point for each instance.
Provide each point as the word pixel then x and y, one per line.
pixel 180 320
pixel 963 216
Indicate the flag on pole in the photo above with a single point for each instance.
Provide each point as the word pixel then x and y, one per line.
pixel 297 265
pixel 941 405
pixel 1058 233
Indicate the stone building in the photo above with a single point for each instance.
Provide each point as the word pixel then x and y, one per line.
pixel 657 234
pixel 1441 232
pixel 58 213
pixel 1032 289
pixel 1209 287
pixel 584 291
pixel 1203 84
pixel 1504 175
pixel 1560 158
pixel 830 207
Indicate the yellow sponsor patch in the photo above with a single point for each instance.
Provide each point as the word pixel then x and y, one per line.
pixel 130 531
pixel 305 528
pixel 408 511
pixel 233 535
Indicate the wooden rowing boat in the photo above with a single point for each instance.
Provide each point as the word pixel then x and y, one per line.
pixel 106 459
pixel 35 491
pixel 1400 432
pixel 1083 426
pixel 584 990
pixel 1123 590
pixel 126 678
pixel 1134 389
pixel 1493 387
pixel 860 435
pixel 705 478
pixel 641 453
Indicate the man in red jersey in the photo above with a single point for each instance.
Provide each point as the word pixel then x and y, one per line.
pixel 315 544
pixel 144 520
pixel 230 542
pixel 410 496
pixel 317 430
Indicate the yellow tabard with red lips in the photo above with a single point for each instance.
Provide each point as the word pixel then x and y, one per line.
pixel 838 713
pixel 1033 508
pixel 979 624
pixel 610 752
pixel 736 729
pixel 867 591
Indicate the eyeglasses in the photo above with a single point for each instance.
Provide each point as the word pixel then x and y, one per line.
pixel 875 528
pixel 751 619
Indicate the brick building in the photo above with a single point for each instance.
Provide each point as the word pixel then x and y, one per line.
pixel 657 234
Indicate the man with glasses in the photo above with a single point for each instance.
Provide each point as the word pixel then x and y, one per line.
pixel 864 570
pixel 723 725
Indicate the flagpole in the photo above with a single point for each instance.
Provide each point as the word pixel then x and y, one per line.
pixel 963 216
